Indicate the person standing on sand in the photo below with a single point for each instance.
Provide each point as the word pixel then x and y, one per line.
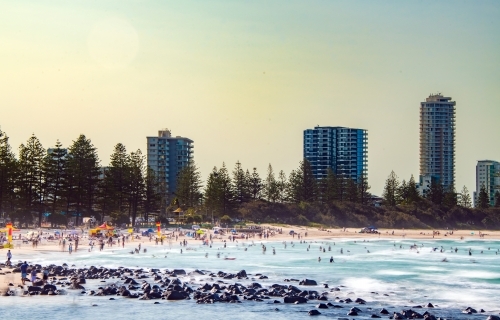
pixel 24 272
pixel 9 256
pixel 63 244
pixel 70 248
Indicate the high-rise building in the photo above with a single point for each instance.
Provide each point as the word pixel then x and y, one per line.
pixel 487 174
pixel 437 140
pixel 344 150
pixel 166 156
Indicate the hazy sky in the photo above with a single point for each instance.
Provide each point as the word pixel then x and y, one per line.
pixel 243 79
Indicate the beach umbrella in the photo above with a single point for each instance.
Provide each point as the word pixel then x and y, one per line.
pixel 200 231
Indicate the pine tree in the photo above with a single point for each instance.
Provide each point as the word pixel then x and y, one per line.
pixel 435 194
pixel 83 177
pixel 189 185
pixel 136 186
pixel 240 185
pixel 8 175
pixel 330 186
pixel 302 186
pixel 413 195
pixel 352 191
pixel 270 186
pixel 226 191
pixel 55 178
pixel 483 200
pixel 464 198
pixel 152 196
pixel 255 185
pixel 117 178
pixel 497 199
pixel 281 187
pixel 403 192
pixel 213 192
pixel 31 179
pixel 390 195
pixel 363 187
pixel 450 198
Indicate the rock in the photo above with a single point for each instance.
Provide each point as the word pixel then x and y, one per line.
pixel 295 299
pixel 242 274
pixel 308 282
pixel 178 272
pixel 429 305
pixel 360 301
pixel 384 311
pixel 49 287
pixel 493 317
pixel 375 316
pixel 176 295
pixel 398 316
pixel 322 306
pixel 314 313
pixel 197 272
pixel 352 313
pixel 469 310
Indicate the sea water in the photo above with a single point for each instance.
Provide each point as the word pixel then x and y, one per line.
pixel 384 272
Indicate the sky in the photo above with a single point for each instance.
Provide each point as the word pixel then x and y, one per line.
pixel 243 79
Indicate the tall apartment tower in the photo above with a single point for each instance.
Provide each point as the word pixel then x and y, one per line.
pixel 487 174
pixel 167 155
pixel 344 150
pixel 437 140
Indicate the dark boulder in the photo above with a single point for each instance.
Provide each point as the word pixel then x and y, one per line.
pixel 242 274
pixel 178 272
pixel 176 295
pixel 469 310
pixel 308 282
pixel 295 299
pixel 322 306
pixel 314 313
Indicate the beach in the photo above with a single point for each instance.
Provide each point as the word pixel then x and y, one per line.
pixel 439 270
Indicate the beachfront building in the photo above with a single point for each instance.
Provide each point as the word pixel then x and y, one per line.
pixel 166 156
pixel 487 174
pixel 344 150
pixel 437 141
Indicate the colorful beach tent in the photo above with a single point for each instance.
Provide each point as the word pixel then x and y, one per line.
pixel 104 226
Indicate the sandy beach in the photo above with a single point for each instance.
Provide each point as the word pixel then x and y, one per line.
pixel 22 251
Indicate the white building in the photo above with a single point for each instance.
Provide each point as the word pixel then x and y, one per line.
pixel 437 140
pixel 487 174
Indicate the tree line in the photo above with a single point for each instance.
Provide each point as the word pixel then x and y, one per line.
pixel 62 183
pixel 398 193
pixel 225 192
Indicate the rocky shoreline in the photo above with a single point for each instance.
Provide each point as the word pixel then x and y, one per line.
pixel 155 284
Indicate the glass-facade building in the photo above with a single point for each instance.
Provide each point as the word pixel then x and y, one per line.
pixel 437 140
pixel 344 150
pixel 166 156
